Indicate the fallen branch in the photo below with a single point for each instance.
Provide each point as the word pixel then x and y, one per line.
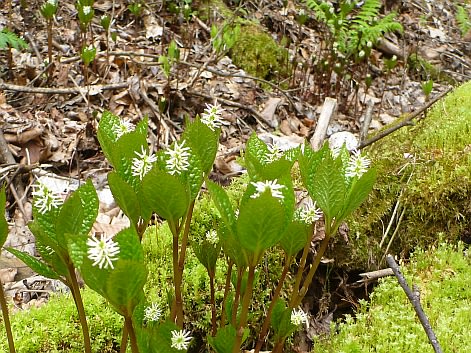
pixel 66 90
pixel 414 298
pixel 405 122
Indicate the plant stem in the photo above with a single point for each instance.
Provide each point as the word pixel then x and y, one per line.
pixel 179 265
pixel 74 287
pixel 227 288
pixel 6 319
pixel 213 303
pixel 124 339
pixel 276 295
pixel 132 334
pixel 245 309
pixel 235 303
pixel 49 48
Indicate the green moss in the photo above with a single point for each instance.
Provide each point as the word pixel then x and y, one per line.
pixel 388 322
pixel 431 188
pixel 258 54
pixel 55 327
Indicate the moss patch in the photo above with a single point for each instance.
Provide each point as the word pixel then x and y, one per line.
pixel 424 186
pixel 258 54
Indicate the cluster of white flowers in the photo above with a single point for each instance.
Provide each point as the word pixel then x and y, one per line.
pixel 123 127
pixel 102 251
pixel 152 312
pixel 181 339
pixel 268 185
pixel 143 164
pixel 212 116
pixel 357 165
pixel 178 161
pixel 44 199
pixel 309 213
pixel 52 2
pixel 212 237
pixel 274 152
pixel 86 10
pixel 299 317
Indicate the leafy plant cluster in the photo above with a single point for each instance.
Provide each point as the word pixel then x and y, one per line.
pixel 263 220
pixel 388 322
pixel 353 28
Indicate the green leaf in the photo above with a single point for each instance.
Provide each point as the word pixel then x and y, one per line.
pixel 309 161
pixel 358 193
pixel 125 197
pixel 195 175
pixel 77 249
pixel 33 263
pixel 224 340
pixel 281 320
pixel 130 248
pixel 222 202
pixel 78 213
pixel 207 254
pixel 124 286
pixel 157 339
pixel 3 220
pixel 165 194
pixel 260 224
pixel 107 136
pixel 295 237
pixel 328 187
pixel 203 142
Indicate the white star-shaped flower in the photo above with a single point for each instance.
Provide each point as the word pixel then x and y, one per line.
pixel 143 164
pixel 212 116
pixel 274 153
pixel 268 185
pixel 299 317
pixel 309 213
pixel 178 161
pixel 44 199
pixel 102 251
pixel 357 165
pixel 86 10
pixel 181 339
pixel 152 313
pixel 212 237
pixel 123 127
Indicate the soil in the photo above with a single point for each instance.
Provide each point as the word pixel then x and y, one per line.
pixel 48 115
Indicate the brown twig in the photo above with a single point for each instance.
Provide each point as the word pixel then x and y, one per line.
pixel 414 298
pixel 404 122
pixel 65 90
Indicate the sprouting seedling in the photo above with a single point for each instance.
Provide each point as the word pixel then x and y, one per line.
pixel 105 22
pixel 85 13
pixel 135 8
pixel 48 10
pixel 87 55
pixel 427 88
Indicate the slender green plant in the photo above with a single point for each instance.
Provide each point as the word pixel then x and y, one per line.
pixel 48 11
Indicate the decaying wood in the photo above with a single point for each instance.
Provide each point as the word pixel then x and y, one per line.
pixel 328 111
pixel 374 275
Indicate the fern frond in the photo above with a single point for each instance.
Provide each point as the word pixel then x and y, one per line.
pixel 10 39
pixel 462 17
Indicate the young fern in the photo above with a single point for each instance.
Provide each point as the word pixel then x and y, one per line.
pixel 462 18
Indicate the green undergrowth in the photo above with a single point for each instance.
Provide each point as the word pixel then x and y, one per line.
pixel 423 187
pixel 388 322
pixel 55 327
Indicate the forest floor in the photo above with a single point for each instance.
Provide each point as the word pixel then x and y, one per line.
pixel 49 114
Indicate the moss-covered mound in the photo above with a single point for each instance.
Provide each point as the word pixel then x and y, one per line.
pixel 423 187
pixel 256 52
